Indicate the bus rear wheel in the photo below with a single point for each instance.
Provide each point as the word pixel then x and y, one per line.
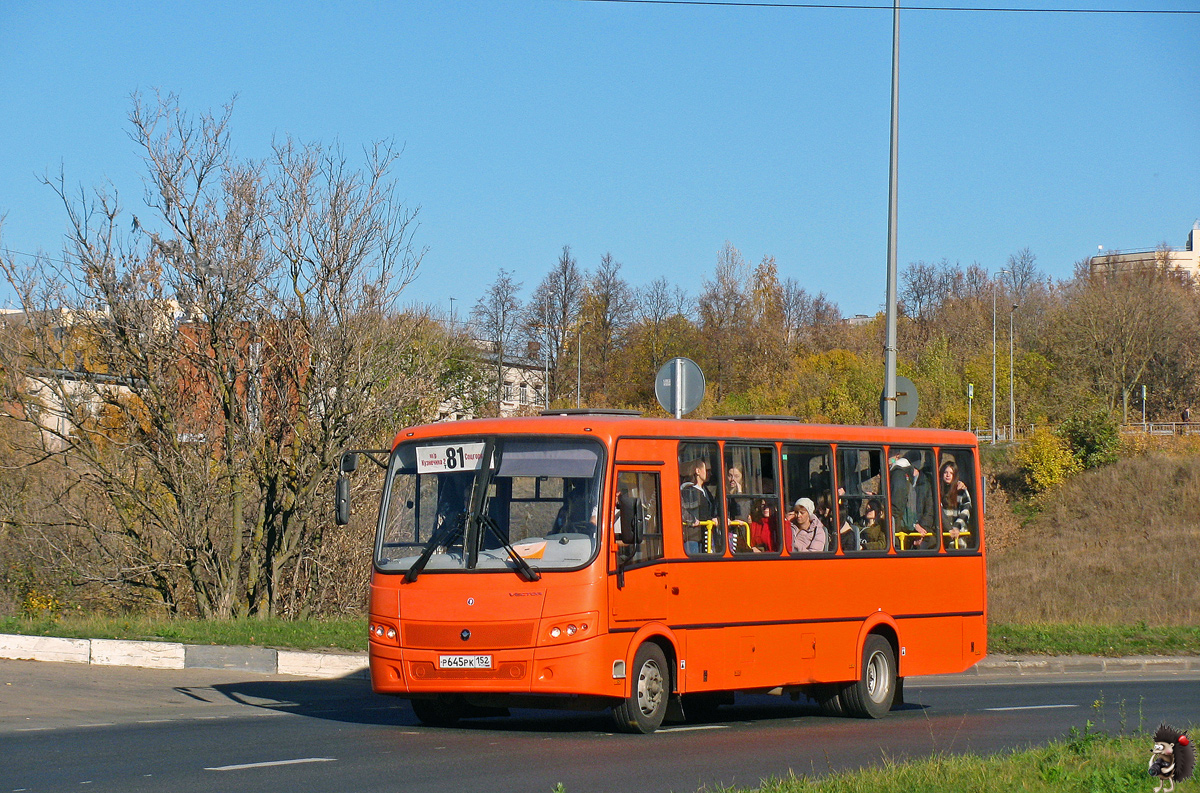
pixel 871 696
pixel 441 711
pixel 643 710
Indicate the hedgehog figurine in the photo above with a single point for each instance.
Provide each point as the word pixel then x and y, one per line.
pixel 1172 758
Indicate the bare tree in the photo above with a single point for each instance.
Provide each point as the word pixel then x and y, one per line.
pixel 497 318
pixel 1023 274
pixel 553 311
pixel 723 318
pixel 1115 327
pixel 605 316
pixel 654 306
pixel 204 372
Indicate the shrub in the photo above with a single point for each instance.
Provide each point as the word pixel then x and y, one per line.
pixel 1093 437
pixel 1045 460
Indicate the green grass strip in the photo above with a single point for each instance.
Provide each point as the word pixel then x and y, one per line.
pixel 1109 640
pixel 1087 762
pixel 348 633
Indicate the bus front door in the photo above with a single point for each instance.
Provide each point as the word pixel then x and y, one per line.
pixel 639 585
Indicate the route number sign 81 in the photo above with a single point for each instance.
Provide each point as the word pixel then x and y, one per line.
pixel 449 457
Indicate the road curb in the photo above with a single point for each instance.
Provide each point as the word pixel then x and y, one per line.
pixel 264 660
pixel 173 655
pixel 1019 665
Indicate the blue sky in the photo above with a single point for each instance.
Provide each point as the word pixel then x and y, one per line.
pixel 655 133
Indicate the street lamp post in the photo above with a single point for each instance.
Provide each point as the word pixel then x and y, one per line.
pixel 1002 272
pixel 1012 405
pixel 579 361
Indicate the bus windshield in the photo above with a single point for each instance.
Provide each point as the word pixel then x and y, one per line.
pixel 541 503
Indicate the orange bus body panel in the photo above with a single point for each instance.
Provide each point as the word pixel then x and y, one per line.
pixel 725 624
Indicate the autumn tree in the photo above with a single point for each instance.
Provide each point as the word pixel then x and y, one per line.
pixel 201 369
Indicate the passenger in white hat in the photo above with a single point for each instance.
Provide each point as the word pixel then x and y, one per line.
pixel 808 533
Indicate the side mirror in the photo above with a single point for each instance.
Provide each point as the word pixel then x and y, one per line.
pixel 349 462
pixel 342 499
pixel 629 513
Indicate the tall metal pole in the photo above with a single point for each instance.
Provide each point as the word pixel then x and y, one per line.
pixel 1012 405
pixel 993 363
pixel 578 363
pixel 1002 272
pixel 889 388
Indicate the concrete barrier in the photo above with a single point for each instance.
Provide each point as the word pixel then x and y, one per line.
pixel 45 648
pixel 293 662
pixel 151 655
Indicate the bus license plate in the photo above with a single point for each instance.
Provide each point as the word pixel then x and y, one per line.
pixel 465 661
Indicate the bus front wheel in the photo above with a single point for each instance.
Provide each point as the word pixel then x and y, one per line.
pixel 871 696
pixel 643 710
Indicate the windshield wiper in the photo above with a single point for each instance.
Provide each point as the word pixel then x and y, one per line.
pixel 523 568
pixel 443 536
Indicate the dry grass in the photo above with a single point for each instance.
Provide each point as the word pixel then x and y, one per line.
pixel 1118 545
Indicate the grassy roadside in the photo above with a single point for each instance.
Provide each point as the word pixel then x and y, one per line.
pixel 1109 640
pixel 348 633
pixel 1087 761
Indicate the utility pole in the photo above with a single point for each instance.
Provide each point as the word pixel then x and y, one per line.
pixel 889 387
pixel 1012 404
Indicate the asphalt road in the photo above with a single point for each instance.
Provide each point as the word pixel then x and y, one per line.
pixel 72 727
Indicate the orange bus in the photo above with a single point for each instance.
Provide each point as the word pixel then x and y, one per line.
pixel 596 559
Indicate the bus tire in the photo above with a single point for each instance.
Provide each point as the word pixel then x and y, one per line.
pixel 871 696
pixel 441 711
pixel 829 699
pixel 643 710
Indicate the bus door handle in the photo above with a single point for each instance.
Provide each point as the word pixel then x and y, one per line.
pixel 660 574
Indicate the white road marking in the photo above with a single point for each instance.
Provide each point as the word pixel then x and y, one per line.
pixel 100 724
pixel 272 763
pixel 1034 707
pixel 154 721
pixel 32 729
pixel 699 727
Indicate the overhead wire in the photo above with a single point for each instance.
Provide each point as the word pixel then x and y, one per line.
pixel 865 7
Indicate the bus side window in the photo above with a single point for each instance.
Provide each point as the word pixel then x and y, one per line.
pixel 751 500
pixel 911 475
pixel 700 499
pixel 807 475
pixel 957 500
pixel 641 525
pixel 864 525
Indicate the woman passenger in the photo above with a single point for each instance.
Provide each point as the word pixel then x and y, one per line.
pixel 763 537
pixel 956 503
pixel 808 533
pixel 874 532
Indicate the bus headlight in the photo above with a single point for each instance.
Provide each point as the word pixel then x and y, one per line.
pixel 568 627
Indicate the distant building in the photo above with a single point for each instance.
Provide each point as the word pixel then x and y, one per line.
pixel 521 385
pixel 1185 261
pixel 858 319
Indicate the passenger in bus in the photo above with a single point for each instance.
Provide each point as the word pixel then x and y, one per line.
pixel 956 503
pixel 808 533
pixel 873 534
pixel 696 506
pixel 912 506
pixel 575 516
pixel 735 486
pixel 825 509
pixel 764 534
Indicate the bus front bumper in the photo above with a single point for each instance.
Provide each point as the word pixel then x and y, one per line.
pixel 582 667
